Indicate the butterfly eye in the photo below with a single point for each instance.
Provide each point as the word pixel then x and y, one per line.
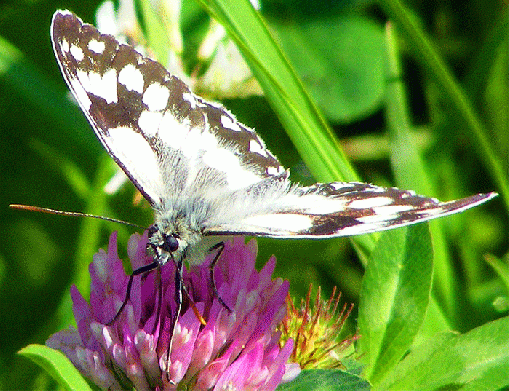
pixel 152 230
pixel 170 244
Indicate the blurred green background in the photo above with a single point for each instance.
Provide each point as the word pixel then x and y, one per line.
pixel 50 156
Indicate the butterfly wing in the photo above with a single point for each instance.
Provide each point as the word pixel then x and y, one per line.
pixel 192 157
pixel 166 139
pixel 342 209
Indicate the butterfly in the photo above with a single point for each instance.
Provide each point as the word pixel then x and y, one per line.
pixel 206 175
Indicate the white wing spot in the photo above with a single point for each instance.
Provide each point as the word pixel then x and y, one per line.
pixel 104 86
pixel 189 97
pixel 371 202
pixel 377 219
pixel 96 46
pixel 256 147
pixel 224 160
pixel 132 78
pixel 64 45
pixel 385 214
pixel 361 228
pixel 272 170
pixel 149 122
pixel 408 193
pixel 156 97
pixel 342 185
pixel 315 204
pixel 275 170
pixel 374 189
pixel 228 123
pixel 432 212
pixel 77 53
pixel 323 206
pixel 392 210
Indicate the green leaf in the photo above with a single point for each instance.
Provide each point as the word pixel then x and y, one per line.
pixel 394 298
pixel 325 380
pixel 435 322
pixel 477 360
pixel 57 365
pixel 340 61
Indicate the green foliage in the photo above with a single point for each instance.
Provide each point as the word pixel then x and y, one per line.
pixel 394 298
pixel 326 380
pixel 58 365
pixel 328 76
pixel 346 88
pixel 476 360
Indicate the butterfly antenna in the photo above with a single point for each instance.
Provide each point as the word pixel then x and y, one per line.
pixel 72 214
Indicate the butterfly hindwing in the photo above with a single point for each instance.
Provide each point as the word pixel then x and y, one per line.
pixel 344 209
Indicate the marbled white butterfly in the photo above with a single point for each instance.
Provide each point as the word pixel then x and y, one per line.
pixel 206 175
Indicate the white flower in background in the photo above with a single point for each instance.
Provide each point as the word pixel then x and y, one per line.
pixel 227 74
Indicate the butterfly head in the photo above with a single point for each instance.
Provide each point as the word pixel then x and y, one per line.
pixel 164 245
pixel 173 238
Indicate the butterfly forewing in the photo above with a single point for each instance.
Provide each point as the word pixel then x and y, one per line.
pixel 164 137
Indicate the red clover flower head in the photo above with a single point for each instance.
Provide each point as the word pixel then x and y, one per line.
pixel 237 350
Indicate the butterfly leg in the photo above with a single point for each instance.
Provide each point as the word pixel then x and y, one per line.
pixel 138 271
pixel 219 247
pixel 179 288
